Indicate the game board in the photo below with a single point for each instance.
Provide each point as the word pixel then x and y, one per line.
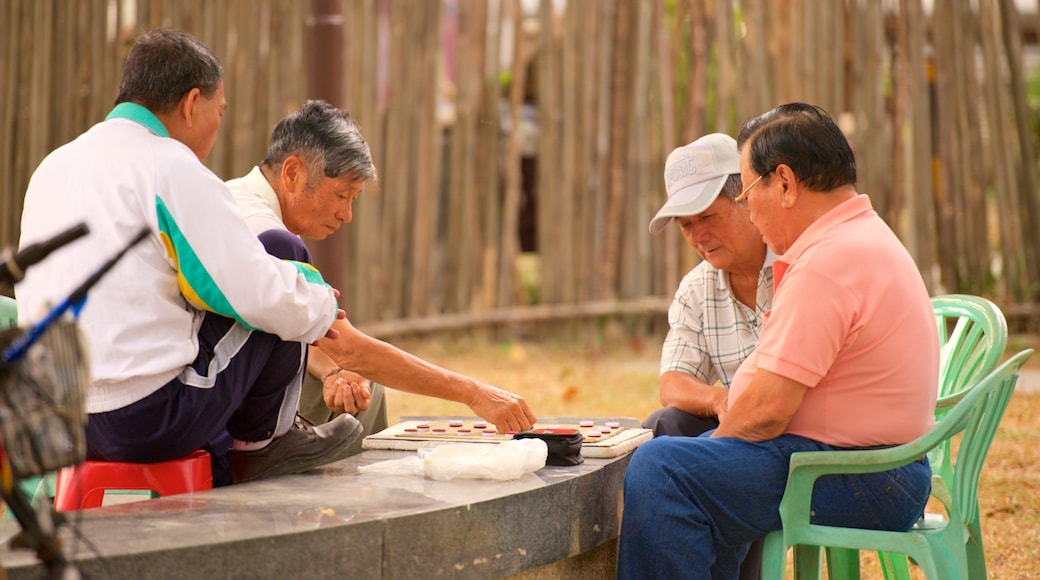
pixel 600 438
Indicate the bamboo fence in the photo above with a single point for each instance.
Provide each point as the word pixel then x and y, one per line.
pixel 494 122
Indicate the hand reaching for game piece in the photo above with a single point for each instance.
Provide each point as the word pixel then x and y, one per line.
pixel 505 410
pixel 346 392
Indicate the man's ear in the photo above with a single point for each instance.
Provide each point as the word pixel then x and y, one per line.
pixel 788 185
pixel 186 108
pixel 294 172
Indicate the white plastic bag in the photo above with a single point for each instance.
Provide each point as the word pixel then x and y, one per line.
pixel 503 461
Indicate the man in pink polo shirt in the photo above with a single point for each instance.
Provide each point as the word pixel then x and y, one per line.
pixel 847 359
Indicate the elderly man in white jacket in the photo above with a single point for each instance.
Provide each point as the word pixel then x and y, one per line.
pixel 197 331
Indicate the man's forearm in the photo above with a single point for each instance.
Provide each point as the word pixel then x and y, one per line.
pixel 687 393
pixel 388 365
pixel 319 364
pixel 764 410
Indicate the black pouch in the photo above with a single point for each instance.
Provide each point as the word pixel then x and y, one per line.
pixel 564 444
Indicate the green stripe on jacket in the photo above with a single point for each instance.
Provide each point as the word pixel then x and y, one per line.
pixel 194 281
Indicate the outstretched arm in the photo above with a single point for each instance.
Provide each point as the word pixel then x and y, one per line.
pixel 388 365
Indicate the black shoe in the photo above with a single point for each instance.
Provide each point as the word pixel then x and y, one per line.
pixel 303 448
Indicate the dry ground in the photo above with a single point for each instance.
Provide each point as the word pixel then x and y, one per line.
pixel 621 380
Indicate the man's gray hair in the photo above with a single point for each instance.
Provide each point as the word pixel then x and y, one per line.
pixel 163 66
pixel 326 138
pixel 731 189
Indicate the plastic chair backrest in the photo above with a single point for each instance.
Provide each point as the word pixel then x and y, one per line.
pixel 8 312
pixel 972 338
pixel 953 550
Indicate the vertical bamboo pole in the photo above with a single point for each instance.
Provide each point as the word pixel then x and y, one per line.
pixel 593 141
pixel 489 146
pixel 552 183
pixel 511 203
pixel 730 56
pixel 920 238
pixel 10 180
pixel 41 94
pixel 602 168
pixel 1025 197
pixel 1004 180
pixel 579 37
pixel 565 44
pixel 745 92
pixel 976 169
pixel 368 276
pixel 872 112
pixel 668 270
pixel 635 243
pixel 425 296
pixel 621 68
pixel 903 76
pixel 463 251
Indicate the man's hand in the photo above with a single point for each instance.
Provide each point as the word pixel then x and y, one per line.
pixel 764 410
pixel 332 333
pixel 346 392
pixel 721 404
pixel 684 391
pixel 508 412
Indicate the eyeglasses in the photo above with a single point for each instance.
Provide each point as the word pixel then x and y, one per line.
pixel 741 198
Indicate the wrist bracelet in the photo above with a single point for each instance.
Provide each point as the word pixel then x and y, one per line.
pixel 334 371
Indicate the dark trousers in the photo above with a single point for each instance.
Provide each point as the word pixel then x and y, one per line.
pixel 671 422
pixel 242 384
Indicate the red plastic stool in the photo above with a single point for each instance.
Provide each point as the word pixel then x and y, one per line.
pixel 84 485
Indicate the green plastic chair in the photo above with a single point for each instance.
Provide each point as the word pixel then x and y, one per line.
pixel 8 312
pixel 972 338
pixel 943 547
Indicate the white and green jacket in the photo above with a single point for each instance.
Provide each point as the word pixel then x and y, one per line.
pixel 142 318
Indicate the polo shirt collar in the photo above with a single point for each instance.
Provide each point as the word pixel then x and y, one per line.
pixel 722 281
pixel 139 115
pixel 843 212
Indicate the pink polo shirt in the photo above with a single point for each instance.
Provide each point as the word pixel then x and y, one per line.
pixel 852 320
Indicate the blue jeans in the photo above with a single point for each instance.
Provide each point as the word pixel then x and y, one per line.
pixel 693 505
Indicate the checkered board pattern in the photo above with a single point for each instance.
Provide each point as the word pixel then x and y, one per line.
pixel 600 438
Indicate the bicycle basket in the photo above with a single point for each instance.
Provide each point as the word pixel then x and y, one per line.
pixel 42 402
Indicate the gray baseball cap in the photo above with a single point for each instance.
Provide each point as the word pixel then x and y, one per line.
pixel 694 175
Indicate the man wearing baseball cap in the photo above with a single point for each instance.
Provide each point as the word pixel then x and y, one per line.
pixel 718 309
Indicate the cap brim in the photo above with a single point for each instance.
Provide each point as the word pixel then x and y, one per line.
pixel 690 201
